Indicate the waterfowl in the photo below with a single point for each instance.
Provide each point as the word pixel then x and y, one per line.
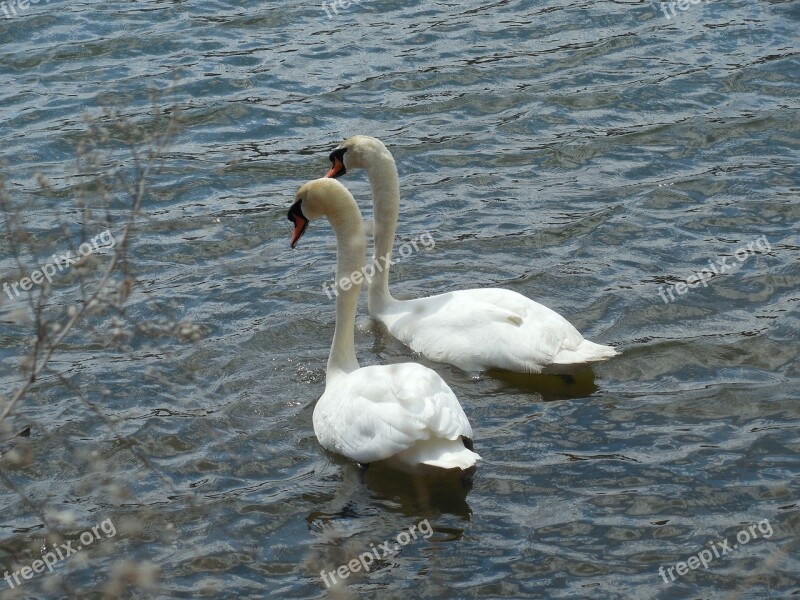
pixel 404 414
pixel 475 330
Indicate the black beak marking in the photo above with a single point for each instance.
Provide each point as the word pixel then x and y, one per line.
pixel 300 221
pixel 337 159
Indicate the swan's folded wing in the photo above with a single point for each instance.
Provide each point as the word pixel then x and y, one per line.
pixel 383 410
pixel 480 328
pixel 459 307
pixel 421 389
pixel 529 310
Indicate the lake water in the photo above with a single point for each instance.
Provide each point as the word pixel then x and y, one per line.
pixel 589 155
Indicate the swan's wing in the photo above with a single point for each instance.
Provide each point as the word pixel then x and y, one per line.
pixel 376 412
pixel 529 310
pixel 480 328
pixel 551 337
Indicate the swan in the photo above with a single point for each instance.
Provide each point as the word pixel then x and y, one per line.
pixel 475 330
pixel 403 414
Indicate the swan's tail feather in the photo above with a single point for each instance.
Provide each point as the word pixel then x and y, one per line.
pixel 461 460
pixel 444 454
pixel 587 352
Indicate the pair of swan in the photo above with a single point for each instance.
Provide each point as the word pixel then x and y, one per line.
pixel 406 414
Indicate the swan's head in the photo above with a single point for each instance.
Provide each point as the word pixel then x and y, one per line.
pixel 357 152
pixel 320 198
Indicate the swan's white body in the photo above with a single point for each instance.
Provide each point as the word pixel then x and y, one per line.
pixel 404 414
pixel 475 330
pixel 489 328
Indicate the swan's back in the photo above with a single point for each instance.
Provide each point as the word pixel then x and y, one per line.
pixel 487 328
pixel 404 413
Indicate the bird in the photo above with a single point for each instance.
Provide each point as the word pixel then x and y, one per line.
pixel 404 415
pixel 475 330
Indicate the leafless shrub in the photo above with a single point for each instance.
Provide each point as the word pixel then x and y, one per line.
pixel 117 159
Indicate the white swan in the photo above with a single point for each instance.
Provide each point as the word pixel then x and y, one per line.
pixel 475 330
pixel 404 414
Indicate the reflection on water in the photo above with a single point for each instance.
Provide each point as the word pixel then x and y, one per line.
pixel 414 495
pixel 580 384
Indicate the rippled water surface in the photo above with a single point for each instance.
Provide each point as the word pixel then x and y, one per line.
pixel 585 154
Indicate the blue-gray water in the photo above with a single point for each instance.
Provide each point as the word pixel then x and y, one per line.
pixel 584 154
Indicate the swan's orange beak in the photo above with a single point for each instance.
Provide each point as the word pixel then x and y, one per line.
pixel 300 225
pixel 300 222
pixel 337 169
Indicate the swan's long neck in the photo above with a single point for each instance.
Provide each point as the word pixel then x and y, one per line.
pixel 383 180
pixel 350 248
